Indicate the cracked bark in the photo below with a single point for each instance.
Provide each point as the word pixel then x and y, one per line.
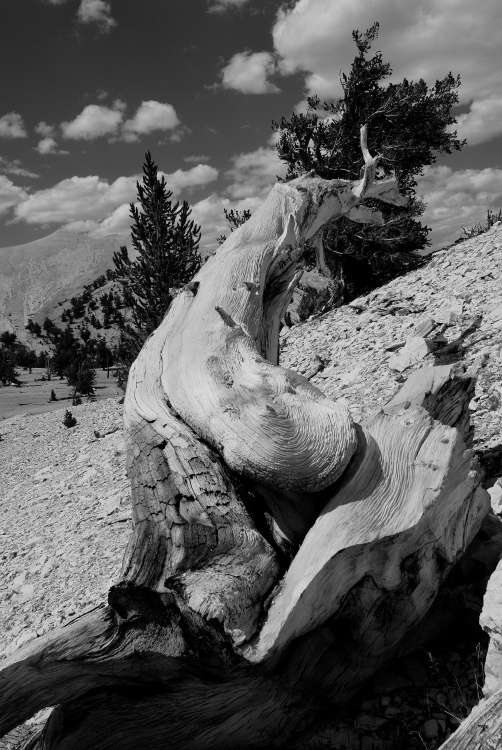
pixel 280 553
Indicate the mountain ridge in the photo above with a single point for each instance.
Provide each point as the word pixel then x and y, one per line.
pixel 36 276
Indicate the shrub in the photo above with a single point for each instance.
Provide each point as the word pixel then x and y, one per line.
pixel 491 219
pixel 69 420
pixel 81 376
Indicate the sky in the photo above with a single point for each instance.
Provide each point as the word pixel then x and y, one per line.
pixel 88 86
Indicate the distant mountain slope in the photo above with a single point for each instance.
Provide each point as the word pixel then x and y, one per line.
pixel 34 277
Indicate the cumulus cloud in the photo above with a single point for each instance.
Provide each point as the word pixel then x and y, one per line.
pixel 45 130
pixel 118 222
pixel 94 121
pixel 248 72
pixel 98 12
pixel 49 146
pixel 14 166
pixel 150 116
pixel 254 173
pixel 12 126
pixel 456 198
pixel 197 176
pixel 10 195
pixel 76 199
pixel 222 6
pixel 93 202
pixel 483 122
pixel 421 39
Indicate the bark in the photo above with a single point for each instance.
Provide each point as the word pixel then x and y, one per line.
pixel 482 730
pixel 280 553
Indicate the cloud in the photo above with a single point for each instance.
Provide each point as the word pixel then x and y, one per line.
pixel 76 199
pixel 254 173
pixel 98 12
pixel 423 39
pixel 194 159
pixel 197 176
pixel 95 121
pixel 14 166
pixel 248 73
pixel 49 146
pixel 45 130
pixel 12 126
pixel 483 122
pixel 10 195
pixel 94 201
pixel 456 198
pixel 118 222
pixel 150 116
pixel 222 6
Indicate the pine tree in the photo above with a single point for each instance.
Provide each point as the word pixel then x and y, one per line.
pixel 235 219
pixel 408 124
pixel 167 241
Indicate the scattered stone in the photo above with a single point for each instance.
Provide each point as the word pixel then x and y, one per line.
pixel 110 505
pixel 367 723
pixel 495 493
pixel 450 313
pixel 54 549
pixel 415 350
pixel 386 682
pixel 430 729
pixel 314 367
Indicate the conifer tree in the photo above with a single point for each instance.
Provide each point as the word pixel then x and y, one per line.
pixel 167 241
pixel 409 124
pixel 235 219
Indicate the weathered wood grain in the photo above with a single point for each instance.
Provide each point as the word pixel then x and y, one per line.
pixel 279 552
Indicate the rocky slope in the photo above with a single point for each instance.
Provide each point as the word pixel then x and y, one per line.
pixel 448 311
pixel 65 505
pixel 34 277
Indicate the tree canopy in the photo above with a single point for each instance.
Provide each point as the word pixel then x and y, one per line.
pixel 409 124
pixel 166 240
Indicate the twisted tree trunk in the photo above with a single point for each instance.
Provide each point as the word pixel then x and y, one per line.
pixel 279 552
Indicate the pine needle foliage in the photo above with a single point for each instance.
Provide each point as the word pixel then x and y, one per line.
pixel 235 219
pixel 409 124
pixel 166 240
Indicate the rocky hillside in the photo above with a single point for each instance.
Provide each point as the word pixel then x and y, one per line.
pixel 36 276
pixel 449 311
pixel 65 505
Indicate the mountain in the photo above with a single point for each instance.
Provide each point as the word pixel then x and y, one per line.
pixel 36 276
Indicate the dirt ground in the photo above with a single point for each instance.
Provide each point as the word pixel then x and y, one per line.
pixel 32 396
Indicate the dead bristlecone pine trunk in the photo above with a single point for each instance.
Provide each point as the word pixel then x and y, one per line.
pixel 280 553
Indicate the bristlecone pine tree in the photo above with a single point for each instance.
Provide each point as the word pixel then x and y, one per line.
pixel 409 126
pixel 167 241
pixel 280 553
